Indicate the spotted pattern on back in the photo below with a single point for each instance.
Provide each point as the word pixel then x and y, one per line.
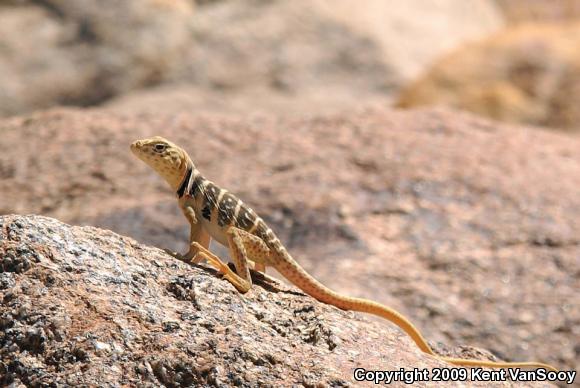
pixel 265 233
pixel 246 218
pixel 226 209
pixel 211 195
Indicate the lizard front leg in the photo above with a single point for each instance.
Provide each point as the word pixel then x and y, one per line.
pixel 197 235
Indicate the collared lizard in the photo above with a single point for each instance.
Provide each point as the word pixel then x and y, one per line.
pixel 215 213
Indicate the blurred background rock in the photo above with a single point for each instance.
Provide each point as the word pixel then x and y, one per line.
pixel 521 11
pixel 509 60
pixel 69 52
pixel 225 55
pixel 516 61
pixel 528 73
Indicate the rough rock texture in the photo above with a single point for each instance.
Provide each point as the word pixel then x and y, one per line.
pixel 526 74
pixel 330 52
pixel 87 306
pixel 468 227
pixel 83 52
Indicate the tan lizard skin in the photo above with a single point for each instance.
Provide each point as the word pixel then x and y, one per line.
pixel 215 213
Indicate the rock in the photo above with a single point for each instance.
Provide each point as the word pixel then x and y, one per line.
pixel 302 45
pixel 469 227
pixel 313 56
pixel 95 308
pixel 330 53
pixel 526 74
pixel 522 11
pixel 83 52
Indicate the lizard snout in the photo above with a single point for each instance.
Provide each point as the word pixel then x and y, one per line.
pixel 136 145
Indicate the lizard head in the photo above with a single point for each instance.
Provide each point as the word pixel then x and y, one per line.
pixel 169 160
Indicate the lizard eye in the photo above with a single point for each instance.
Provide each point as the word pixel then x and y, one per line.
pixel 159 147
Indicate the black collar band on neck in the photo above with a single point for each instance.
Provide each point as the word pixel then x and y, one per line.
pixel 184 182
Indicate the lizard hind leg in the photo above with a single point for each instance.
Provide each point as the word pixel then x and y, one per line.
pixel 244 247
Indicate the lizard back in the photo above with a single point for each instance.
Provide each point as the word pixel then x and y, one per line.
pixel 219 209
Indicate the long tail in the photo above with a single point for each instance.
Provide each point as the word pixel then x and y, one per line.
pixel 292 271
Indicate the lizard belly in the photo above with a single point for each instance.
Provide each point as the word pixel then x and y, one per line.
pixel 216 232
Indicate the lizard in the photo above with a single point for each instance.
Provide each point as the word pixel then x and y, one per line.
pixel 213 212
